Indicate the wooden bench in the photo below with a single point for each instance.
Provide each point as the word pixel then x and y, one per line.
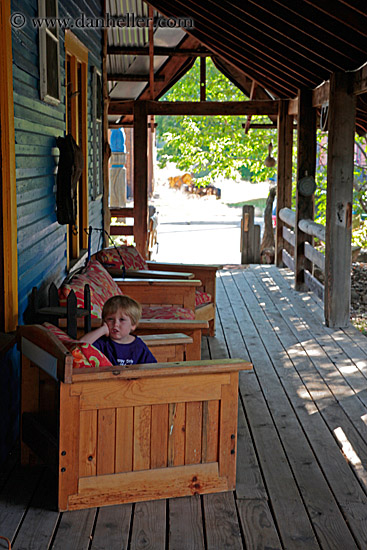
pixel 206 274
pixel 120 434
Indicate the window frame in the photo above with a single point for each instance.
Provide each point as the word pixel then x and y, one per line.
pixel 44 32
pixel 97 187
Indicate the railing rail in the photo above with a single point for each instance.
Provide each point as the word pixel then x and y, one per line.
pixel 313 229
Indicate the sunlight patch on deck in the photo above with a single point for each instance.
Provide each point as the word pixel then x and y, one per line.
pixel 348 450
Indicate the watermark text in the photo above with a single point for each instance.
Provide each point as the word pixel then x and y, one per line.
pixel 130 20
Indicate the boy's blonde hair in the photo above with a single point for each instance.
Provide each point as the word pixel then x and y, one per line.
pixel 128 305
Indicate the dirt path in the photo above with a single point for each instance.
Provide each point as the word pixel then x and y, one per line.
pixel 196 229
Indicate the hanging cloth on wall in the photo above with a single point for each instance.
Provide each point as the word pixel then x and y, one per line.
pixel 70 168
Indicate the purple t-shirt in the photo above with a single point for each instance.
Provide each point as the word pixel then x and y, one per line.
pixel 125 354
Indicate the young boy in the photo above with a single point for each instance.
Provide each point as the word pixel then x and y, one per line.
pixel 120 316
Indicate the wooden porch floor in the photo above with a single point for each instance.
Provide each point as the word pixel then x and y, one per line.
pixel 302 445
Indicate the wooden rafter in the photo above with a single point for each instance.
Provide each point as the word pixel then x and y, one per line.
pixel 252 96
pixel 133 78
pixel 169 52
pixel 168 73
pixel 193 108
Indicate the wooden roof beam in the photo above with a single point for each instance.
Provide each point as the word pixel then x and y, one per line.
pixel 209 108
pixel 321 94
pixel 169 52
pixel 132 78
pixel 360 81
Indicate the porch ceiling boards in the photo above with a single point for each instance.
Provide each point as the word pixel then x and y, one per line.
pixel 281 45
pixel 302 443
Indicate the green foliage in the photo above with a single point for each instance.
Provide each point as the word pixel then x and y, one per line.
pixel 359 236
pixel 215 146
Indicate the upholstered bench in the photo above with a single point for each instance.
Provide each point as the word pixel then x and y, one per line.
pixel 127 434
pixel 128 258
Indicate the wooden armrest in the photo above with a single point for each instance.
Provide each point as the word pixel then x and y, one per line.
pixel 159 282
pixel 152 274
pixel 170 324
pixel 46 351
pixel 182 267
pixel 161 291
pixel 150 370
pixel 153 340
pixel 160 324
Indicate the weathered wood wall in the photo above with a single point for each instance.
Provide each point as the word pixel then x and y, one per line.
pixel 41 240
pixel 41 245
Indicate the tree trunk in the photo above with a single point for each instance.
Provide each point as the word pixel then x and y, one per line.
pixel 267 248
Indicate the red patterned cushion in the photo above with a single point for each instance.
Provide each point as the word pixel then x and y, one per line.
pixel 101 284
pixel 84 355
pixel 202 298
pixel 167 312
pixel 132 258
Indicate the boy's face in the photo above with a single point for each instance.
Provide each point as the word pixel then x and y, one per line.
pixel 119 325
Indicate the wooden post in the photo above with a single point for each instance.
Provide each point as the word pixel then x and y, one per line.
pixel 8 199
pixel 306 165
pixel 284 176
pixel 106 146
pixel 250 237
pixel 141 177
pixel 342 111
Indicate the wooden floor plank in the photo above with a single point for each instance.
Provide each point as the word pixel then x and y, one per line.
pixel 185 524
pixel 112 528
pixel 287 502
pixel 258 525
pixel 41 519
pixel 75 530
pixel 327 380
pixel 15 498
pixel 249 481
pixel 350 339
pixel 149 526
pixel 9 466
pixel 338 474
pixel 221 522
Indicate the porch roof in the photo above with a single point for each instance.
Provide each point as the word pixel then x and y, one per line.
pixel 281 46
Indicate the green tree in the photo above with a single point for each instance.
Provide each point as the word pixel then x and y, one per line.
pixel 213 146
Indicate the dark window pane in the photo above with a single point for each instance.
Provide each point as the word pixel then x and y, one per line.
pixel 51 12
pixel 99 97
pixel 52 67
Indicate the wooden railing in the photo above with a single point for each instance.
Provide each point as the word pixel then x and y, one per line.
pixel 128 230
pixel 122 213
pixel 311 253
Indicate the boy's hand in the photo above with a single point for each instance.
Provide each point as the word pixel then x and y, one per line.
pixel 106 329
pixel 91 337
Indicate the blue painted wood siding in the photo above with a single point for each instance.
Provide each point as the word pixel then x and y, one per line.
pixel 41 240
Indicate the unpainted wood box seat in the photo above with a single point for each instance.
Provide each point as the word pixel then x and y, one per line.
pixel 120 434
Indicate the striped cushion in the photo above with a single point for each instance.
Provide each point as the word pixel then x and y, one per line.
pixel 133 260
pixel 101 284
pixel 202 298
pixel 167 312
pixel 84 355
